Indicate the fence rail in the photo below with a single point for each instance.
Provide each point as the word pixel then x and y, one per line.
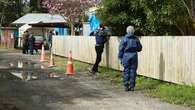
pixel 169 58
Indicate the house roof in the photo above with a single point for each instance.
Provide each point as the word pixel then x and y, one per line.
pixel 34 18
pixel 8 28
pixel 57 24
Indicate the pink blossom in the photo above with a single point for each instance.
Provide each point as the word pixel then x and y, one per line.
pixel 69 8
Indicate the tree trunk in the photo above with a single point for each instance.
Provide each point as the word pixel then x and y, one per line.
pixel 72 29
pixel 180 29
pixel 70 24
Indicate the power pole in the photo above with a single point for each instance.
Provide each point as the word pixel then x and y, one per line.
pixel 39 4
pixel 19 7
pixel 193 8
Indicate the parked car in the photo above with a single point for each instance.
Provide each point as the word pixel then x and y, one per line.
pixel 39 40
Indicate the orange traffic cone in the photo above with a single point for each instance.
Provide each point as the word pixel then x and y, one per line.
pixel 51 63
pixel 42 59
pixel 69 66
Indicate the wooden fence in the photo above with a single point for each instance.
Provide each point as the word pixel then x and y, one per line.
pixel 7 37
pixel 166 58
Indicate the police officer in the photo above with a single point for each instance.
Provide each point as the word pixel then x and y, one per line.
pixel 101 37
pixel 129 46
pixel 50 35
pixel 31 41
pixel 25 42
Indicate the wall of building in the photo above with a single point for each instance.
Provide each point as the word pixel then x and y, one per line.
pixel 7 38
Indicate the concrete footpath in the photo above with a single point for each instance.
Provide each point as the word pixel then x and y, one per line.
pixel 26 84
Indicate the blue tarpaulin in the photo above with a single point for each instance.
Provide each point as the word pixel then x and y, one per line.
pixel 94 23
pixel 61 31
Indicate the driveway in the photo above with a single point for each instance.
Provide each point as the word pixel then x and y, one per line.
pixel 26 84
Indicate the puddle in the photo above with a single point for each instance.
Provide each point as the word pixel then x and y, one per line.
pixel 26 65
pixel 42 67
pixel 26 76
pixel 54 75
pixel 8 107
pixel 29 75
pixel 27 71
pixel 11 64
pixel 3 67
pixel 20 64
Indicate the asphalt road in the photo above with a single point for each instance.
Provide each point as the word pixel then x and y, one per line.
pixel 26 84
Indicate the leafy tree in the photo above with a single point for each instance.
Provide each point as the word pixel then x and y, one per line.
pixel 35 6
pixel 167 17
pixel 157 17
pixel 32 6
pixel 9 11
pixel 120 13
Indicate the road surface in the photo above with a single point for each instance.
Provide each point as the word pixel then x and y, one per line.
pixel 26 84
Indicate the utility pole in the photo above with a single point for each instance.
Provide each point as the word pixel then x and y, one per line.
pixel 39 4
pixel 19 7
pixel 193 8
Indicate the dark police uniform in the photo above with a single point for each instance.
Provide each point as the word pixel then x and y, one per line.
pixel 31 41
pixel 101 38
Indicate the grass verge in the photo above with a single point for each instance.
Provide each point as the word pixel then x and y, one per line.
pixel 172 93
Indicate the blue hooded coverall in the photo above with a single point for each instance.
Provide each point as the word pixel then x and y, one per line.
pixel 128 48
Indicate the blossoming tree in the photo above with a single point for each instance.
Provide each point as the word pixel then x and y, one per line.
pixel 69 9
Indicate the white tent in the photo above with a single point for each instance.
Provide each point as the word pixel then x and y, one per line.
pixel 22 29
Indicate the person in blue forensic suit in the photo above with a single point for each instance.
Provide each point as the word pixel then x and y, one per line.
pixel 101 36
pixel 128 48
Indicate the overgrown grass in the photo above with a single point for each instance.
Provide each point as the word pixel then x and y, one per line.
pixel 172 93
pixel 60 63
pixel 176 94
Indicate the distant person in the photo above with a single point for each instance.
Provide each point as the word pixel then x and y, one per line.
pixel 15 40
pixel 101 37
pixel 35 47
pixel 129 46
pixel 50 34
pixel 31 41
pixel 25 37
pixel 56 33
